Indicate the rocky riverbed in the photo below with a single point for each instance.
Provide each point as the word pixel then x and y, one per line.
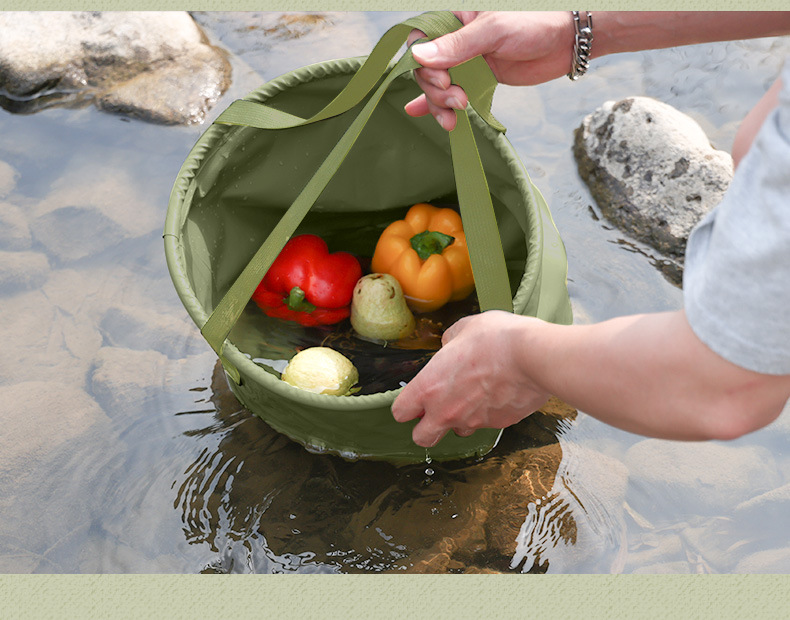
pixel 122 448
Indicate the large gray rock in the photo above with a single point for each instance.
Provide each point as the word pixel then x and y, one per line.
pixel 154 65
pixel 651 169
pixel 673 479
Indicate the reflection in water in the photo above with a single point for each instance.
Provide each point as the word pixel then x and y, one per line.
pixel 262 503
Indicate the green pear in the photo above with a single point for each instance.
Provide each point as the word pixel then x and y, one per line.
pixel 379 310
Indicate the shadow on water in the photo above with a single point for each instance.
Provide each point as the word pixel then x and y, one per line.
pixel 263 504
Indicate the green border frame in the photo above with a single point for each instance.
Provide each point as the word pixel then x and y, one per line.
pixel 396 596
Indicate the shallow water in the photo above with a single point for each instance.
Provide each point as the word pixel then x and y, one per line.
pixel 124 451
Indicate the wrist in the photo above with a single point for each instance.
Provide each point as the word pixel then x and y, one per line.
pixel 533 347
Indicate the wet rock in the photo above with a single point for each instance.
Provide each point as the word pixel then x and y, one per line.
pixel 773 561
pixel 39 416
pixel 156 66
pixel 712 545
pixel 664 568
pixel 42 343
pixel 763 513
pixel 670 479
pixel 654 549
pixel 91 290
pixel 22 270
pixel 172 95
pixel 652 170
pixel 7 178
pixel 143 328
pixel 77 219
pixel 124 381
pixel 14 229
pixel 578 526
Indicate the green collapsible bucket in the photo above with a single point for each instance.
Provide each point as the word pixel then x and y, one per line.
pixel 292 157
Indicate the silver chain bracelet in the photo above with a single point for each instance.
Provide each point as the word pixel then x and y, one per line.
pixel 582 46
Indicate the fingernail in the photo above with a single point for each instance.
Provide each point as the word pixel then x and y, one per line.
pixel 455 103
pixel 437 83
pixel 446 122
pixel 425 51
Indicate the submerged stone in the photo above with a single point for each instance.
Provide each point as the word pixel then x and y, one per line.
pixel 8 176
pixel 22 270
pixel 157 66
pixel 14 229
pixel 674 479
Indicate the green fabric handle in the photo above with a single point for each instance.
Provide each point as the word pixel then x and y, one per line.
pixel 477 213
pixel 474 76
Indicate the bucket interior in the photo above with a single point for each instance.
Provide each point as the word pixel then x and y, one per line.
pixel 249 177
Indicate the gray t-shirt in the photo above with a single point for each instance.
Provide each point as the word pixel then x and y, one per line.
pixel 737 274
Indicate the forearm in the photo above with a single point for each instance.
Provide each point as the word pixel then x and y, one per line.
pixel 649 374
pixel 631 31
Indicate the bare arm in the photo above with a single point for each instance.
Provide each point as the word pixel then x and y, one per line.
pixel 524 48
pixel 753 121
pixel 647 374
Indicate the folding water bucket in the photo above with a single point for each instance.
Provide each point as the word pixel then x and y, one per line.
pixel 292 157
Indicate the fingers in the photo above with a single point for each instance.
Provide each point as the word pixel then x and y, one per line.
pixel 414 35
pixel 421 107
pixel 453 48
pixel 441 98
pixel 408 404
pixel 417 107
pixel 455 329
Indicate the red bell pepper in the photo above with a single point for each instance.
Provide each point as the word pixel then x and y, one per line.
pixel 307 284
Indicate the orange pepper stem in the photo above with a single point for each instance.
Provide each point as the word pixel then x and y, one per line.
pixel 430 242
pixel 296 302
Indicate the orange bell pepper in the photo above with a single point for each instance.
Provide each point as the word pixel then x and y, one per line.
pixel 426 253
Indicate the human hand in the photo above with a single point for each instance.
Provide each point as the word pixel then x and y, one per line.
pixel 476 380
pixel 522 49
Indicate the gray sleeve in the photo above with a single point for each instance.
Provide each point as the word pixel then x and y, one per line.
pixel 737 274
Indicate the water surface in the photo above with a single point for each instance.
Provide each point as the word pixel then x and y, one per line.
pixel 126 452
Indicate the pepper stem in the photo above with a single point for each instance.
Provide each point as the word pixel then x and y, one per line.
pixel 430 242
pixel 296 301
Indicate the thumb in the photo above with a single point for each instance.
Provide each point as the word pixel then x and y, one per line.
pixel 451 49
